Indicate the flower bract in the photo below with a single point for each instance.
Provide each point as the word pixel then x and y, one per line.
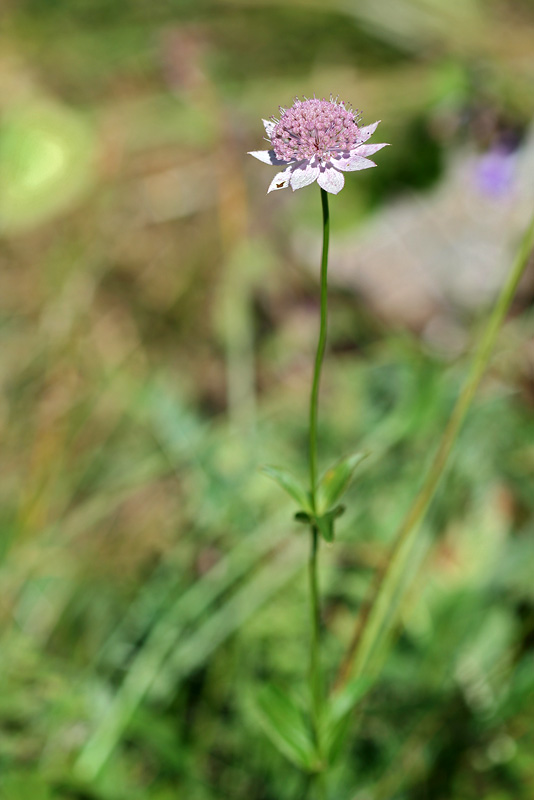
pixel 317 140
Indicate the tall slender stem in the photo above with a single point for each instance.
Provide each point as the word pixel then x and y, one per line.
pixel 321 345
pixel 316 679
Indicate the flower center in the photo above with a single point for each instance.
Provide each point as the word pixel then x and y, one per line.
pixel 314 128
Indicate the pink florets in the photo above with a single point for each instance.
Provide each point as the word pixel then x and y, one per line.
pixel 317 140
pixel 314 128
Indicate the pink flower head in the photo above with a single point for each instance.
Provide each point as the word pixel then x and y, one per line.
pixel 317 140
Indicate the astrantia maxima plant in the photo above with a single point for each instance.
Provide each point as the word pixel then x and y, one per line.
pixel 317 140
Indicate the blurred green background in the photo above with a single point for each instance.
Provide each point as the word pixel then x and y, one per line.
pixel 158 318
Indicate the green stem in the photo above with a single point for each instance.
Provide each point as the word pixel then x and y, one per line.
pixel 373 619
pixel 316 680
pixel 321 345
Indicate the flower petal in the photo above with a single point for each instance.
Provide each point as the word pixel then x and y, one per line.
pixel 331 180
pixel 365 150
pixel 280 180
pixel 366 132
pixel 269 126
pixel 268 157
pixel 302 175
pixel 352 163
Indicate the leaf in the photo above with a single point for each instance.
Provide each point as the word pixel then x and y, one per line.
pixel 291 485
pixel 284 724
pixel 335 736
pixel 338 716
pixel 302 516
pixel 325 523
pixel 344 700
pixel 336 480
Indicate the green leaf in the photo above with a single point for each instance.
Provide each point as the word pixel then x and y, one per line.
pixel 302 516
pixel 325 523
pixel 338 716
pixel 343 701
pixel 336 480
pixel 335 736
pixel 291 485
pixel 284 724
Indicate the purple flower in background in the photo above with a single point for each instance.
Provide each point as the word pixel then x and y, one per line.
pixel 495 171
pixel 316 140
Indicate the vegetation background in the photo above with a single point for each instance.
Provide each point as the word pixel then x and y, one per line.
pixel 158 318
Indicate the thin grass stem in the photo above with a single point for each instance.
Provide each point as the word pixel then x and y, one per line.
pixel 373 618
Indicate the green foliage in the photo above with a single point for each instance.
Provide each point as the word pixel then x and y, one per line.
pixel 340 709
pixel 292 486
pixel 46 154
pixel 286 726
pixel 325 522
pixel 330 488
pixel 336 480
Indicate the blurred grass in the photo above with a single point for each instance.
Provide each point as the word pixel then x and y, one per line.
pixel 156 333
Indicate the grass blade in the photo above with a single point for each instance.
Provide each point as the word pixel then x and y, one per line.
pixel 377 614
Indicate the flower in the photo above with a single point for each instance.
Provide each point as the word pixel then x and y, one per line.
pixel 495 170
pixel 317 140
